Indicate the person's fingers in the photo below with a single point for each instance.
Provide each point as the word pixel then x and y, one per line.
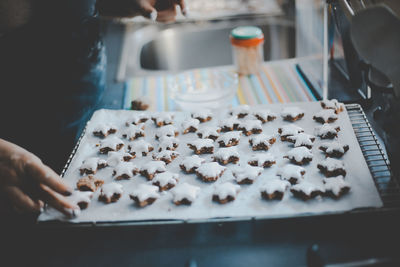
pixel 182 5
pixel 147 10
pixel 21 201
pixel 41 205
pixel 45 175
pixel 58 201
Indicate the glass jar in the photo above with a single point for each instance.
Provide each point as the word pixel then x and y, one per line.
pixel 247 46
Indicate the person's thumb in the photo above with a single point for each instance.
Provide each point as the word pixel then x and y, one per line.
pixel 147 10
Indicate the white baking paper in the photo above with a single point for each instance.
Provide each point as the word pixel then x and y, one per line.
pixel 248 203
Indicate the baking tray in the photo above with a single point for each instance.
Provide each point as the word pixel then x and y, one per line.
pixel 378 164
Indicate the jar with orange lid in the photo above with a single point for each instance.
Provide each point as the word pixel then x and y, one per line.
pixel 247 45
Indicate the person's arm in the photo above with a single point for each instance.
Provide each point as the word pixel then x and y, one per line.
pixel 163 10
pixel 26 183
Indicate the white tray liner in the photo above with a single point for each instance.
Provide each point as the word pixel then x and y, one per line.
pixel 248 203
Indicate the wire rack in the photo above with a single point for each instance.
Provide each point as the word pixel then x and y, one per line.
pixel 73 152
pixel 378 164
pixel 387 185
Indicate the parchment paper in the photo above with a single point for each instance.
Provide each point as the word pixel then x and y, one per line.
pixel 248 202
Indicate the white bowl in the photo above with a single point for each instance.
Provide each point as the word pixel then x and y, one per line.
pixel 214 91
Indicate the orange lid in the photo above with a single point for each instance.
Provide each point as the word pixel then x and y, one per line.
pixel 247 36
pixel 247 42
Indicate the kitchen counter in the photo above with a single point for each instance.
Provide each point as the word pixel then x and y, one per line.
pixel 253 243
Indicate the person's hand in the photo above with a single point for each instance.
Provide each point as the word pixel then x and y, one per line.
pixel 162 10
pixel 26 183
pixel 166 9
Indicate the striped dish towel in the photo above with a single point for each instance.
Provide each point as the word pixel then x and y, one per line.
pixel 277 82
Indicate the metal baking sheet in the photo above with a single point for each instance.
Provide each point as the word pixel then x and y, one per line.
pixel 248 204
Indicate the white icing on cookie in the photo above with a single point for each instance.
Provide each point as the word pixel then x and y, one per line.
pixel 302 139
pixel 335 185
pixel 262 158
pixel 202 114
pixel 111 142
pixel 139 147
pixel 326 115
pixel 291 129
pixel 226 152
pixel 192 162
pixel 137 118
pixel 80 196
pixel 326 129
pixel 274 185
pixel 264 114
pixel 240 110
pixel 145 191
pixel 291 112
pixel 166 178
pixel 166 131
pixel 116 157
pixel 249 125
pixel 333 104
pixel 331 147
pixel 231 123
pixel 261 139
pixel 154 166
pixel 211 169
pixel 226 190
pixel 298 154
pixel 291 171
pixel 108 190
pixel 246 172
pixel 91 164
pixel 168 155
pixel 307 187
pixel 226 137
pixel 332 164
pixel 163 118
pixel 167 143
pixel 133 131
pixel 202 143
pixel 125 169
pixel 190 123
pixel 104 128
pixel 185 191
pixel 208 131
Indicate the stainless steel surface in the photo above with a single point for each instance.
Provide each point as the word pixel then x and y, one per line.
pixel 178 47
pixel 208 9
pixel 368 262
pixel 387 185
pixel 376 36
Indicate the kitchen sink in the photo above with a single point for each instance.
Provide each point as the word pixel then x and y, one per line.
pixel 153 49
